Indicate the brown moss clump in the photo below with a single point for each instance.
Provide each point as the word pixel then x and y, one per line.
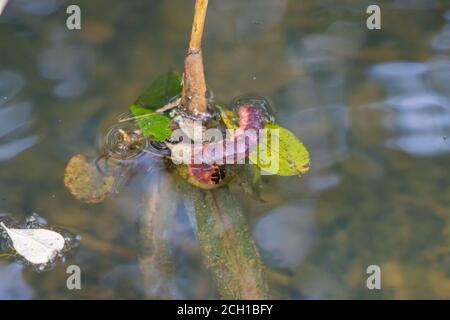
pixel 85 182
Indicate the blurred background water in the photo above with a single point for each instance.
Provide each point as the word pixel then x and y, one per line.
pixel 373 107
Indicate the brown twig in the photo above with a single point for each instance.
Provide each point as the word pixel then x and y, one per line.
pixel 194 96
pixel 169 106
pixel 198 25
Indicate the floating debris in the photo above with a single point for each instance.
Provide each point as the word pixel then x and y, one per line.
pixel 257 102
pixel 37 244
pixel 124 141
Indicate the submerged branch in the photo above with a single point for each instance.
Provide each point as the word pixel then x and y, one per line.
pixel 227 246
pixel 155 260
pixel 107 248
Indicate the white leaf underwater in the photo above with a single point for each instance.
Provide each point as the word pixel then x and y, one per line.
pixel 38 246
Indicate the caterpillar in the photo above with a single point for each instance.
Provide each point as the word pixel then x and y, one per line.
pixel 205 168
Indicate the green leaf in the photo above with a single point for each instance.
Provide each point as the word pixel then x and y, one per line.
pixel 152 123
pixel 292 156
pixel 229 117
pixel 160 91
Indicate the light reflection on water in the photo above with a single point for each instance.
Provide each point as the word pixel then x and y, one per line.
pixel 286 234
pixel 14 117
pixel 418 115
pixel 67 62
pixel 372 107
pixel 13 286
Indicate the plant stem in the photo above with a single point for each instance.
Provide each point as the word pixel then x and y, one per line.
pixel 194 96
pixel 225 241
pixel 198 25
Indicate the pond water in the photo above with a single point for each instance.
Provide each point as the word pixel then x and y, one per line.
pixel 373 108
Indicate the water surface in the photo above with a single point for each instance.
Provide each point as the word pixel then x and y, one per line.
pixel 373 107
